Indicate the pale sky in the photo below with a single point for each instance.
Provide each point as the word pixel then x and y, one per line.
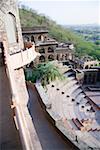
pixel 68 12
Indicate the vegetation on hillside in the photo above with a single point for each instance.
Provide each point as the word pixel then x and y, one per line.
pixel 30 18
pixel 45 73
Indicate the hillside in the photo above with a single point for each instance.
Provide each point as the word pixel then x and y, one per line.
pixel 30 18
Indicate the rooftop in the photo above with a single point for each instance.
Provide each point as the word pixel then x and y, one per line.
pixel 37 29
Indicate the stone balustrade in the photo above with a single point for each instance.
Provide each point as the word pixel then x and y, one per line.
pixel 22 58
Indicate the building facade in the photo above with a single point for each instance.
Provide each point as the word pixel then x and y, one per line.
pixel 49 48
pixel 92 76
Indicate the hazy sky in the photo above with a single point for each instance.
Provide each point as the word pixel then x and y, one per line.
pixel 68 11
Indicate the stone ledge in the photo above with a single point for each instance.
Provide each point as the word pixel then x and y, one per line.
pixel 43 96
pixel 54 115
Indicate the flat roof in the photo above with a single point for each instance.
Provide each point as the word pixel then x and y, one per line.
pixel 46 43
pixel 37 29
pixel 35 32
pixel 89 70
pixel 94 96
pixel 62 48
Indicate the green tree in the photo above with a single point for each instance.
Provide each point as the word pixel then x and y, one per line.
pixel 30 18
pixel 45 72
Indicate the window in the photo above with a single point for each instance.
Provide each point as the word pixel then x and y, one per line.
pixel 11 29
pixel 42 50
pixel 32 39
pixel 57 57
pixel 86 67
pixel 50 57
pixel 26 39
pixel 42 59
pixel 50 49
pixel 39 38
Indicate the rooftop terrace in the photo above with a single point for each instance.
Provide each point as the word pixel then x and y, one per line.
pixel 37 29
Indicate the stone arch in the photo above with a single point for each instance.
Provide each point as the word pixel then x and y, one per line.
pixel 50 49
pixel 1 53
pixel 42 50
pixel 66 56
pixel 57 57
pixel 32 39
pixel 45 38
pixel 42 58
pixel 26 38
pixel 86 67
pixel 63 56
pixel 40 38
pixel 51 57
pixel 91 65
pixel 10 23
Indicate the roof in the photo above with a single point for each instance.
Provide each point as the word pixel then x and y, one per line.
pixel 46 43
pixel 37 29
pixel 88 70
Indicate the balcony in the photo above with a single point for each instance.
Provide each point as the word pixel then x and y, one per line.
pixel 22 58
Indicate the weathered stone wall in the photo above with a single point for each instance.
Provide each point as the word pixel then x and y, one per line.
pixel 9 6
pixel 59 53
pixel 90 77
pixel 15 74
pixel 35 36
pixel 6 7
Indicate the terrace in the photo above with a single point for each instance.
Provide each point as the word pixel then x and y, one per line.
pixel 74 109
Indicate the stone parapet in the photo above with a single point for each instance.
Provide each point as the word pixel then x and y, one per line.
pixel 22 58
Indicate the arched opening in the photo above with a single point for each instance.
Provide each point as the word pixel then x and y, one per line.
pixel 39 38
pixel 63 57
pixel 86 67
pixel 57 56
pixel 11 28
pixel 45 38
pixel 26 39
pixel 42 58
pixel 50 50
pixel 42 50
pixel 66 56
pixel 91 65
pixel 50 57
pixel 32 39
pixel 1 54
pixel 85 78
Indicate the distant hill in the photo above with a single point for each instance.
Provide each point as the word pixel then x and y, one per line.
pixel 30 18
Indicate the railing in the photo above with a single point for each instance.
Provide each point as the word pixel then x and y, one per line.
pixel 22 58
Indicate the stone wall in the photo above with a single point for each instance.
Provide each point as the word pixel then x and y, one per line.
pixel 6 7
pixel 11 38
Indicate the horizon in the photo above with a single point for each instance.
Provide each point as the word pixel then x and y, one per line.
pixel 67 12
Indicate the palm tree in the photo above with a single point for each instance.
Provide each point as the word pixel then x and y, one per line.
pixel 46 72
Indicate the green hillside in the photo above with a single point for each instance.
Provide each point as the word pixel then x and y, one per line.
pixel 30 18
